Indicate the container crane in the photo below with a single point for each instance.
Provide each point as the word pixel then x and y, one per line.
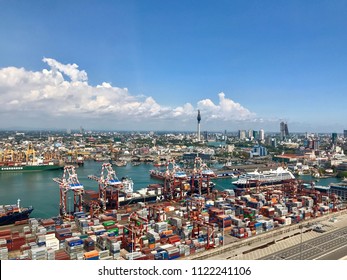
pixel 174 179
pixel 107 179
pixel 201 175
pixel 69 182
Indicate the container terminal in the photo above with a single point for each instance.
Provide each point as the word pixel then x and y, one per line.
pixel 187 217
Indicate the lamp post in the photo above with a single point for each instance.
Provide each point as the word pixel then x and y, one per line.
pixel 69 204
pixel 223 228
pixel 301 226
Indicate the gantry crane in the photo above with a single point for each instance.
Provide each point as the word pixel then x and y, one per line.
pixel 202 175
pixel 210 231
pixel 174 179
pixel 69 182
pixel 108 179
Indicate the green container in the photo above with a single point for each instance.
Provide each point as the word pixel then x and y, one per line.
pixel 108 223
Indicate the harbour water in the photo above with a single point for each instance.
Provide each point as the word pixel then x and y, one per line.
pixel 38 189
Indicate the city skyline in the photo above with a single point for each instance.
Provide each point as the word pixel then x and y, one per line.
pixel 129 65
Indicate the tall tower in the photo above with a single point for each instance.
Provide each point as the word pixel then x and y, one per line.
pixel 282 130
pixel 261 135
pixel 199 119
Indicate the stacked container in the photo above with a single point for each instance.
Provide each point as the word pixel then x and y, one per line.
pixel 61 255
pixel 160 227
pixel 63 233
pixel 88 244
pixel 92 255
pixel 17 240
pixel 177 222
pixel 50 254
pixel 113 246
pixel 105 255
pixel 39 253
pixel 52 241
pixel 3 251
pixel 74 247
pixel 49 225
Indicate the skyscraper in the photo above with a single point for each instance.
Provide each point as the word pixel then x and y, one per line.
pixel 242 134
pixel 284 130
pixel 261 135
pixel 199 119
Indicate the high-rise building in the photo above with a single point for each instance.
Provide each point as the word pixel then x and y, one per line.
pixel 250 134
pixel 345 134
pixel 284 130
pixel 261 135
pixel 274 142
pixel 334 137
pixel 255 134
pixel 205 133
pixel 259 151
pixel 316 143
pixel 242 134
pixel 199 119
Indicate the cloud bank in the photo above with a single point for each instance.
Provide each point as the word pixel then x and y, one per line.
pixel 62 94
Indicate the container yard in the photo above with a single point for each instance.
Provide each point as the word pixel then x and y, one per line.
pixel 167 230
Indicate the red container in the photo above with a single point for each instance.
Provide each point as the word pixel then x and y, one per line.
pixel 173 239
pixel 5 232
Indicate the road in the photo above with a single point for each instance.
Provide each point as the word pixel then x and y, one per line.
pixel 329 246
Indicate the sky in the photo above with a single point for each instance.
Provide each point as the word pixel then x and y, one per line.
pixel 150 65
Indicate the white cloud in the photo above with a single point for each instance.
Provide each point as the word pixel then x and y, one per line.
pixel 226 110
pixel 63 94
pixel 71 70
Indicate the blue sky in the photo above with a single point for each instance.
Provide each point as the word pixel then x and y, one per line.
pixel 152 64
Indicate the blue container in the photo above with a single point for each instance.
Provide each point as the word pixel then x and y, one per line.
pixel 93 258
pixel 151 240
pixel 165 255
pixel 75 242
pixel 100 232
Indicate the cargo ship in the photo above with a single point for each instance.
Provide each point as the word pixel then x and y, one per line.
pixel 15 161
pixel 251 179
pixel 9 214
pixel 153 193
pixel 23 167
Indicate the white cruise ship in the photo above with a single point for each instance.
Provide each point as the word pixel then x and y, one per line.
pixel 264 178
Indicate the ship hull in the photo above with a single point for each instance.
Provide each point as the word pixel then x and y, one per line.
pixel 134 200
pixel 29 168
pixel 11 218
pixel 254 184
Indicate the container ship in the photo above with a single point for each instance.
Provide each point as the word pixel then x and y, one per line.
pixel 251 179
pixel 15 161
pixel 9 214
pixel 24 167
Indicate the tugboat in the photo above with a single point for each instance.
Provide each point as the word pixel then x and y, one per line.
pixel 9 214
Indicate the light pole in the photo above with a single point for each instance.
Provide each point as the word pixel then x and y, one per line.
pixel 132 243
pixel 69 204
pixel 300 241
pixel 223 233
